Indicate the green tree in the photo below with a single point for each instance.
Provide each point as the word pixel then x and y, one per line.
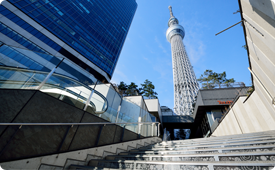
pixel 147 90
pixel 122 86
pixel 229 82
pixel 132 89
pixel 132 86
pixel 219 78
pixel 207 79
pixel 210 79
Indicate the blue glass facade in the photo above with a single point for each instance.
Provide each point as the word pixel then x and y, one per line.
pixel 96 29
pixel 9 32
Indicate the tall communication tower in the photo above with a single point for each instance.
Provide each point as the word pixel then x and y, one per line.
pixel 185 82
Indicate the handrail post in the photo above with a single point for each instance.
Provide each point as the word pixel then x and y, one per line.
pixel 158 129
pixel 153 124
pixel 118 110
pixel 27 81
pixel 164 135
pixel 122 135
pixel 138 130
pixel 90 97
pixel 99 133
pixel 49 75
pixel 64 138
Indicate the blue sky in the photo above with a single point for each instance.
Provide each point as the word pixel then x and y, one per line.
pixel 147 54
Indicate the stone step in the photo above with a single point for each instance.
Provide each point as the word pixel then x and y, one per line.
pixel 272 132
pixel 252 148
pixel 209 140
pixel 251 143
pixel 240 156
pixel 190 165
pixel 76 167
pixel 212 142
pixel 234 137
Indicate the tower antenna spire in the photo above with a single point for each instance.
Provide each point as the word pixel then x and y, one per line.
pixel 185 81
pixel 171 12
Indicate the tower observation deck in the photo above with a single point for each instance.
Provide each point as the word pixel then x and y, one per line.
pixel 185 82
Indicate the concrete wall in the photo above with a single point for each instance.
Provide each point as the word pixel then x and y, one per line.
pixel 154 107
pixel 257 113
pixel 29 106
pixel 261 41
pixel 248 116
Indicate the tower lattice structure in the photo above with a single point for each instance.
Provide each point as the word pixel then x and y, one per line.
pixel 185 82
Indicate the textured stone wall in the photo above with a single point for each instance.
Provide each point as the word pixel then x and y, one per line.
pixel 30 106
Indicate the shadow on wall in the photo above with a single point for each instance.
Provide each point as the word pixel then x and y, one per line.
pixel 265 9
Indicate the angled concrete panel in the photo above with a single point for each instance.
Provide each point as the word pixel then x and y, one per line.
pixel 11 102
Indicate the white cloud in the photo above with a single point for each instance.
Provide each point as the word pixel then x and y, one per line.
pixel 160 46
pixel 193 40
pixel 119 76
pixel 164 67
pixel 195 50
pixel 145 58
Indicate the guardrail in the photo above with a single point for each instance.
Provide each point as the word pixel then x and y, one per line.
pixel 59 86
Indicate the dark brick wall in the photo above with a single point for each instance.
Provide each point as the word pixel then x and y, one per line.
pixel 30 106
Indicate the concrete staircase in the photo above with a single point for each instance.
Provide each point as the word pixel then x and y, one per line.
pixel 254 151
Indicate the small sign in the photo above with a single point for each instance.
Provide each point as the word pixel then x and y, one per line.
pixel 225 102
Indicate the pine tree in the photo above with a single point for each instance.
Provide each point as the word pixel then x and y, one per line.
pixel 148 90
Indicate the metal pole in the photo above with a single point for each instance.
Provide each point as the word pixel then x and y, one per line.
pixel 158 129
pixel 28 80
pixel 152 126
pixel 164 135
pixel 98 136
pixel 138 128
pixel 75 124
pixel 64 138
pixel 49 75
pixel 229 27
pixel 122 135
pixel 118 110
pixel 90 97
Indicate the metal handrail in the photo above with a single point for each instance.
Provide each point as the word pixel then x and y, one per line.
pixel 94 123
pixel 62 76
pixel 70 126
pixel 76 124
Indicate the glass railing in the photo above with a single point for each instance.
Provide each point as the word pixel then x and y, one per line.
pixel 128 112
pixel 25 69
pixel 58 86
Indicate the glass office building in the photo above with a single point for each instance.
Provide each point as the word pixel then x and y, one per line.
pixel 90 33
